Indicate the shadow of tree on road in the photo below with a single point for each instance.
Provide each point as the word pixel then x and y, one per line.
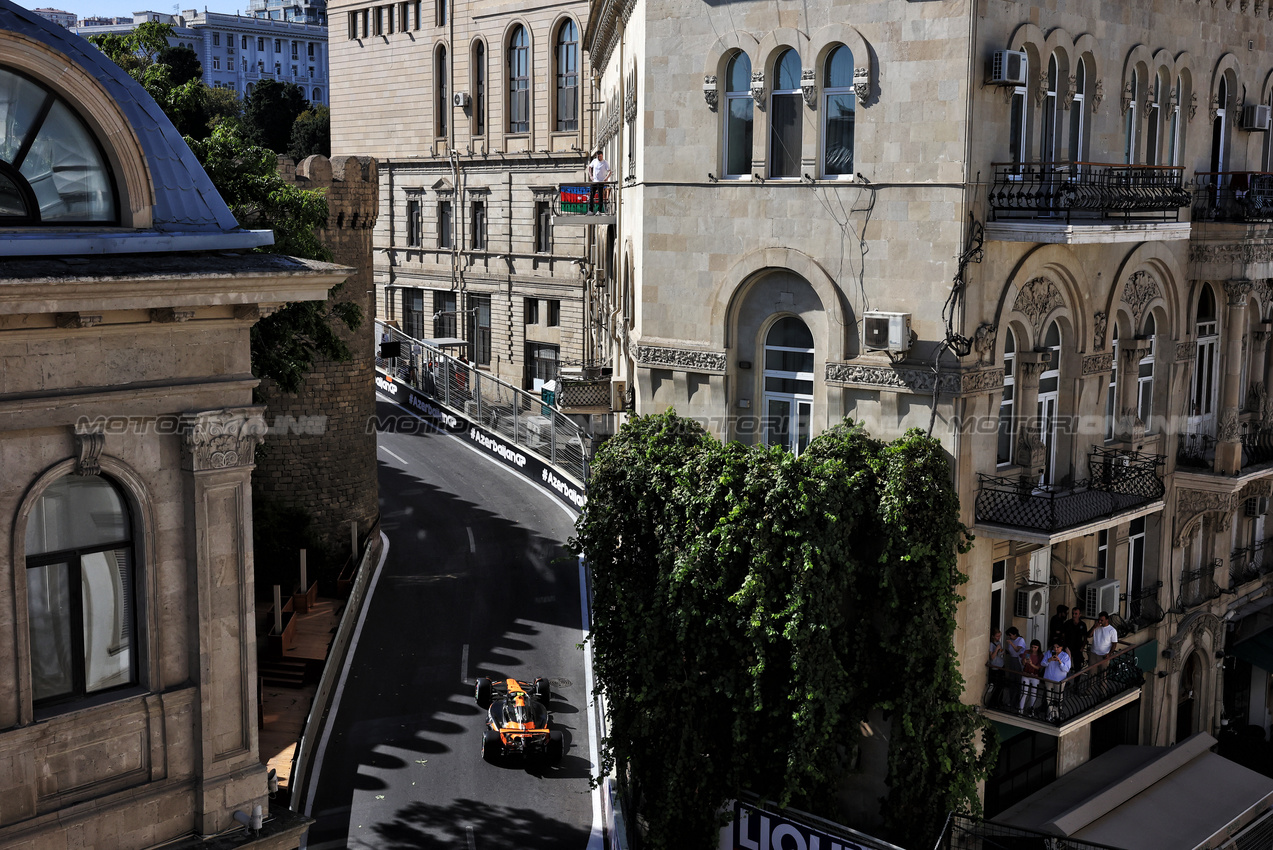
pixel 423 825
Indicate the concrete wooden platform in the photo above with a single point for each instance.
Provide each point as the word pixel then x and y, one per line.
pixel 284 710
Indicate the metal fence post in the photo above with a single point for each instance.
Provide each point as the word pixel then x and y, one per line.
pixel 477 393
pixel 552 437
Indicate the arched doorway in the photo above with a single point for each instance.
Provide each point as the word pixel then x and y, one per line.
pixel 1187 698
pixel 788 384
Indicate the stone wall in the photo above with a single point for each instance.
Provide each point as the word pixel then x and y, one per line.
pixel 320 453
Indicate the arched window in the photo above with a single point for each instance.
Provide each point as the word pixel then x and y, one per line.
pixel 1078 120
pixel 788 387
pixel 1129 121
pixel 80 590
pixel 1111 390
pixel 1006 429
pixel 1173 128
pixel 738 116
pixel 1049 399
pixel 1219 136
pixel 479 88
pixel 1145 376
pixel 1051 106
pixel 1017 121
pixel 443 95
pixel 838 114
pixel 568 77
pixel 519 81
pixel 52 170
pixel 786 117
pixel 1202 393
pixel 1153 121
pixel 318 95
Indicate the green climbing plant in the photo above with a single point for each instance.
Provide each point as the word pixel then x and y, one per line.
pixel 752 608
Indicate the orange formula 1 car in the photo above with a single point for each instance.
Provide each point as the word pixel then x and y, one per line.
pixel 517 721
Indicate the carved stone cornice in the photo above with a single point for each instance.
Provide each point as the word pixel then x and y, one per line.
pixel 885 377
pixel 1186 351
pixel 983 380
pixel 1095 364
pixel 1037 298
pixel 681 359
pixel 1192 504
pixel 168 315
pixel 1194 628
pixel 88 452
pixel 222 439
pixel 1258 487
pixel 1100 322
pixel 1235 252
pixel 76 321
pixel 606 35
pixel 1141 288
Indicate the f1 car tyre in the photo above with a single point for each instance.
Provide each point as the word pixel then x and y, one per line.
pixel 556 745
pixel 542 690
pixel 491 746
pixel 483 693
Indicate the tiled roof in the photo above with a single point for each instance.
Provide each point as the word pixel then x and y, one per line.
pixel 185 199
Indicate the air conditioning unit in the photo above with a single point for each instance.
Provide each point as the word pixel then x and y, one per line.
pixel 460 99
pixel 1257 506
pixel 229 51
pixel 1032 601
pixel 1100 595
pixel 1007 68
pixel 1255 117
pixel 887 331
pixel 618 395
pixel 1041 565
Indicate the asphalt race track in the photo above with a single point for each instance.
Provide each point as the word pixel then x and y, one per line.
pixel 476 583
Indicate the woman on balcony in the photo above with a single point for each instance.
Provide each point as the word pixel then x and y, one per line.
pixel 1031 666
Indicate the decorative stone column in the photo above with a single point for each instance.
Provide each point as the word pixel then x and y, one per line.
pixel 217 462
pixel 1263 355
pixel 1228 444
pixel 1129 427
pixel 1031 453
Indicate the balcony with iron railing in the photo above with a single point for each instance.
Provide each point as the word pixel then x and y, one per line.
pixel 584 203
pixel 1198 586
pixel 1197 451
pixel 1084 692
pixel 1087 192
pixel 1248 563
pixel 1117 482
pixel 1233 196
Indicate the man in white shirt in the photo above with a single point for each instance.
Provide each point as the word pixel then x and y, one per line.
pixel 1104 638
pixel 598 174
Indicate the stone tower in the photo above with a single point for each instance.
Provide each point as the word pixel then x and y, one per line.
pixel 320 453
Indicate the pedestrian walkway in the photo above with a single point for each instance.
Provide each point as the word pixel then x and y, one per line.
pixel 286 700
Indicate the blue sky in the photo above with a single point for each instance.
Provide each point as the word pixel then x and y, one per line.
pixel 125 8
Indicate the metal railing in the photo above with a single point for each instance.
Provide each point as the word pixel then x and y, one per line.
pixel 1247 563
pixel 1087 191
pixel 1117 481
pixel 1058 703
pixel 584 392
pixel 579 199
pixel 521 417
pixel 1197 451
pixel 1199 586
pixel 1233 196
pixel 963 832
pixel 1143 609
pixel 1257 444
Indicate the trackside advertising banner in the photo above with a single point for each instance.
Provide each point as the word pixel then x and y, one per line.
pixel 754 828
pixel 511 455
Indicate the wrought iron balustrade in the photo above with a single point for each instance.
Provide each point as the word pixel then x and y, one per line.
pixel 1199 586
pixel 1118 481
pixel 1237 196
pixel 583 392
pixel 1087 191
pixel 1143 609
pixel 1196 451
pixel 1257 445
pixel 1058 703
pixel 1247 563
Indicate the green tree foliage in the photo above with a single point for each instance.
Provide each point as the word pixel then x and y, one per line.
pixel 270 111
pixel 311 134
pixel 182 62
pixel 752 608
pixel 136 50
pixel 283 345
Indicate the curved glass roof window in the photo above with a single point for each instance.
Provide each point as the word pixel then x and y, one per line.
pixel 52 170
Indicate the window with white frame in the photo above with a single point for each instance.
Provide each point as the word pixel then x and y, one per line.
pixel 1173 128
pixel 1049 402
pixel 786 117
pixel 1102 554
pixel 1050 114
pixel 839 105
pixel 1153 121
pixel 519 81
pixel 1111 391
pixel 738 116
pixel 1135 559
pixel 1006 403
pixel 1129 119
pixel 1145 377
pixel 1017 124
pixel 567 71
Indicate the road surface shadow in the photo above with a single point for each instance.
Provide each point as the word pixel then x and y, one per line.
pixel 420 826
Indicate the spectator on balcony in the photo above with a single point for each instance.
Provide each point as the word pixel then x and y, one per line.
pixel 1031 666
pixel 1056 667
pixel 1015 652
pixel 995 663
pixel 1056 625
pixel 1074 636
pixel 1104 639
pixel 598 174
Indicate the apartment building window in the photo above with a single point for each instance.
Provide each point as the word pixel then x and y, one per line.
pixel 519 81
pixel 295 51
pixel 1135 558
pixel 1049 399
pixel 310 45
pixel 531 311
pixel 1102 554
pixel 260 42
pixel 1051 106
pixel 1202 392
pixel 1006 429
pixel 998 590
pixel 444 315
pixel 479 88
pixel 441 12
pixel 543 227
pixel 413 224
pixel 568 77
pixel 786 116
pixel 278 45
pixel 542 362
pixel 216 63
pixel 443 98
pixel 554 312
pixel 1111 390
pixel 1173 128
pixel 294 71
pixel 1129 120
pixel 444 224
pixel 1153 118
pixel 278 69
pixel 1077 119
pixel 81 599
pixel 1145 377
pixel 413 313
pixel 379 23
pixel 229 63
pixel 216 39
pixel 839 114
pixel 738 116
pixel 477 225
pixel 244 43
pixel 479 324
pixel 417 9
pixel 1017 123
pixel 1219 127
pixel 311 75
pixel 260 67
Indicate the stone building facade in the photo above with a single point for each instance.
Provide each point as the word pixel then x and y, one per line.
pixel 322 449
pixel 128 706
pixel 1069 208
pixel 475 115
